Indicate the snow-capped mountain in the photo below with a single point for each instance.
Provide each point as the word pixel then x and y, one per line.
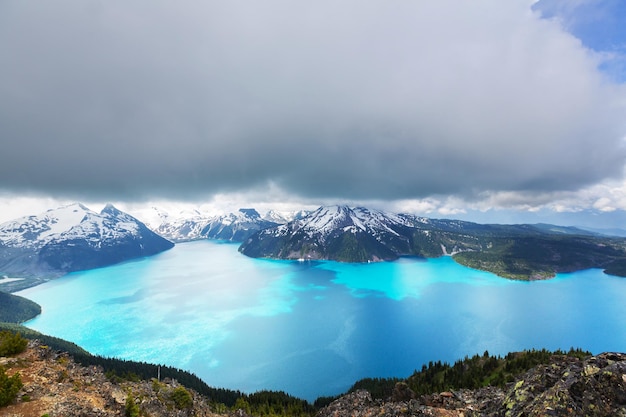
pixel 363 235
pixel 278 217
pixel 157 216
pixel 73 238
pixel 336 232
pixel 514 251
pixel 326 220
pixel 283 217
pixel 236 227
pixel 184 228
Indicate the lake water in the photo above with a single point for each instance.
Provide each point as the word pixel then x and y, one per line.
pixel 314 328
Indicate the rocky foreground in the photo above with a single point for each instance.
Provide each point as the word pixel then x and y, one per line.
pixel 566 387
pixel 54 385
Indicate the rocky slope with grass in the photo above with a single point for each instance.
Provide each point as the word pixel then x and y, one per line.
pixel 53 384
pixel 566 386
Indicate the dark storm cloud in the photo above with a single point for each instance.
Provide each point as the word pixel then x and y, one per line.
pixel 353 99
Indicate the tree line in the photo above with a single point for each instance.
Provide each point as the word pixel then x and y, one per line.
pixel 469 373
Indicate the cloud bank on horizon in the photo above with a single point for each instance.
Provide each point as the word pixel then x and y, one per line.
pixel 135 100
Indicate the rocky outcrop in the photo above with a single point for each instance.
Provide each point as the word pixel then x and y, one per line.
pixel 595 387
pixel 566 387
pixel 55 385
pixel 360 404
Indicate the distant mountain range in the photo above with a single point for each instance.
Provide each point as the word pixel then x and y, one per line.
pixel 72 238
pixel 75 238
pixel 358 234
pixel 236 227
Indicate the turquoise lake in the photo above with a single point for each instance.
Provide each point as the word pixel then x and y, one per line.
pixel 314 328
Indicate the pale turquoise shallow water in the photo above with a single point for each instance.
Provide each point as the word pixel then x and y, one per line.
pixel 313 328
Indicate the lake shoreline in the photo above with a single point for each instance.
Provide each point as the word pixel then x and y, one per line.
pixel 247 324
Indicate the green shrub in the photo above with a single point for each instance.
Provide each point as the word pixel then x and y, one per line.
pixel 182 398
pixel 131 409
pixel 157 386
pixel 9 387
pixel 242 404
pixel 11 343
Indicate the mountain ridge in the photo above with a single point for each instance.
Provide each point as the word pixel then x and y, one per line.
pixel 68 238
pixel 72 238
pixel 234 226
pixel 346 234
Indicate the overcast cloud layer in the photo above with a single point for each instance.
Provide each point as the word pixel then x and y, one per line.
pixel 354 99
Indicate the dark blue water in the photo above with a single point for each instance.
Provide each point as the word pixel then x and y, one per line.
pixel 314 328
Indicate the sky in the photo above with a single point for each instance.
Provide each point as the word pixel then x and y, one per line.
pixel 500 111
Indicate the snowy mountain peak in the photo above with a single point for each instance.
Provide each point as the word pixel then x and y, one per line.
pixel 72 238
pixel 250 212
pixel 355 234
pixel 72 206
pixel 73 221
pixel 282 217
pixel 334 232
pixel 243 215
pixel 327 219
pixel 236 226
pixel 36 230
pixel 300 214
pixel 110 209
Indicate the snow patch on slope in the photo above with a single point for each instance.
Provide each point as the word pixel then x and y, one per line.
pixel 74 221
pixel 325 220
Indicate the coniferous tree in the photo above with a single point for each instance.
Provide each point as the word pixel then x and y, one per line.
pixel 9 387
